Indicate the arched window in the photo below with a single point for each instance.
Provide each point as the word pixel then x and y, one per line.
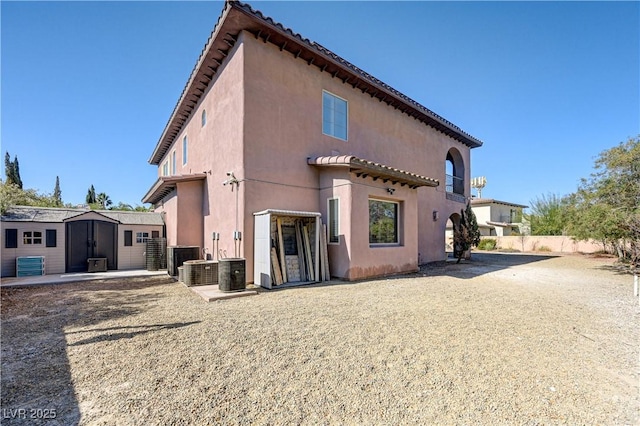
pixel 204 117
pixel 454 170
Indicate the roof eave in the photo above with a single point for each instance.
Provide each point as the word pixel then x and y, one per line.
pixel 164 185
pixel 237 17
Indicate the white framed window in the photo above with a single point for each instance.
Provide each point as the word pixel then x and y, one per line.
pixel 184 150
pixel 203 119
pixel 173 162
pixel 32 237
pixel 383 222
pixel 333 221
pixel 165 168
pixel 335 113
pixel 142 237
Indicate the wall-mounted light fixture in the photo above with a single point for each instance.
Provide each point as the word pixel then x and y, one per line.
pixel 436 215
pixel 391 190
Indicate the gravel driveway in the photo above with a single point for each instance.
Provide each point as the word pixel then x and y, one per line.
pixel 502 339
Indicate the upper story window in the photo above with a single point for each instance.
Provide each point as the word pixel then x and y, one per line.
pixel 32 237
pixel 204 117
pixel 334 116
pixel 454 174
pixel 184 151
pixel 173 163
pixel 165 168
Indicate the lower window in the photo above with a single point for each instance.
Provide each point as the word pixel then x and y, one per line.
pixel 383 222
pixel 32 237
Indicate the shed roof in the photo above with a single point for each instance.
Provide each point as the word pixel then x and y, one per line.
pixel 59 215
pixel 237 17
pixel 366 168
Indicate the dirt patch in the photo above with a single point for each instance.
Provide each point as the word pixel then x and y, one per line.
pixel 502 339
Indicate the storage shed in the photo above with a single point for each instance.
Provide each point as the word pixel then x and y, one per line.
pixel 288 248
pixel 65 239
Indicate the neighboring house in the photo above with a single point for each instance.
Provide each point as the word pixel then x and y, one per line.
pixel 68 237
pixel 297 132
pixel 498 218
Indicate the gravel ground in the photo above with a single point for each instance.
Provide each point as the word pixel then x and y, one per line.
pixel 502 339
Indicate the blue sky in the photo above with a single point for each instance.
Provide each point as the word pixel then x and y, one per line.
pixel 87 87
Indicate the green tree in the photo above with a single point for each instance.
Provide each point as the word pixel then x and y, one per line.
pixel 122 206
pixel 12 195
pixel 16 172
pixel 467 233
pixel 12 171
pixel 104 200
pixel 607 204
pixel 91 196
pixel 549 215
pixel 57 193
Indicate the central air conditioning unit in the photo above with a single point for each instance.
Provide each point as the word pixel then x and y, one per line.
pixel 200 272
pixel 177 255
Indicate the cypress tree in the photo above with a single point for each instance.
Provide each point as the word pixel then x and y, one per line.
pixel 9 169
pixel 16 172
pixel 57 194
pixel 91 195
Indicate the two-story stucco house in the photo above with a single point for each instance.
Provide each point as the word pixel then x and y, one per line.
pixel 295 130
pixel 498 218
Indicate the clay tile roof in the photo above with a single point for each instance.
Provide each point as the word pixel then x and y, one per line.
pixel 366 168
pixel 237 17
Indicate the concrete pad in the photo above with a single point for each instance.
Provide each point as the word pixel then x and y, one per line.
pixel 211 293
pixel 74 277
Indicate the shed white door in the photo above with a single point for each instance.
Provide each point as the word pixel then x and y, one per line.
pixel 262 250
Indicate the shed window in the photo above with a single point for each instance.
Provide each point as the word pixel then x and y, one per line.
pixel 334 116
pixel 155 234
pixel 383 222
pixel 10 238
pixel 142 237
pixel 51 238
pixel 32 237
pixel 128 238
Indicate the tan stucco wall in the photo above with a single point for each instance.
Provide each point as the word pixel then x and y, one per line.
pixel 189 214
pixel 215 148
pixel 264 119
pixel 169 208
pixel 557 244
pixel 283 107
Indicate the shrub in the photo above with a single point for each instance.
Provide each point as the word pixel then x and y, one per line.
pixel 487 244
pixel 544 248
